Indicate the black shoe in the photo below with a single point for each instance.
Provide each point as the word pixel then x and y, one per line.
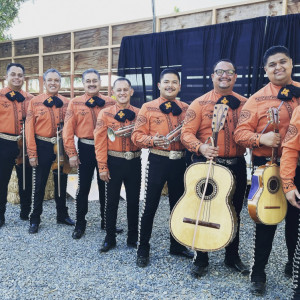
pixel 2 221
pixel 288 269
pixel 33 228
pixel 237 265
pixel 66 221
pixel 199 271
pixel 132 244
pixel 184 253
pixel 258 288
pixel 77 234
pixel 107 246
pixel 142 261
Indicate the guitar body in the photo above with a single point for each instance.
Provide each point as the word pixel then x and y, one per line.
pixel 217 222
pixel 266 201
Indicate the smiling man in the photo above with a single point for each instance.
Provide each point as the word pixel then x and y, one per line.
pixel 254 132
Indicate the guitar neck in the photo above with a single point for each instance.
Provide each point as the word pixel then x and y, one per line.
pixel 274 151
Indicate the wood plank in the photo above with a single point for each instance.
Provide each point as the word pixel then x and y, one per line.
pixel 91 38
pixel 118 31
pixel 3 66
pixel 31 65
pixel 293 7
pixel 270 8
pixel 97 59
pixel 5 50
pixel 186 21
pixel 59 42
pixel 115 58
pixel 61 62
pixel 27 47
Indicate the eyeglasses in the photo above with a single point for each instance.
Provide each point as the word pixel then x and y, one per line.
pixel 220 72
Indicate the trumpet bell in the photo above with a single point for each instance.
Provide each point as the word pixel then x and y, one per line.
pixel 111 134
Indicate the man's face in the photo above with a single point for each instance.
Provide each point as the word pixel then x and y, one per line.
pixel 123 92
pixel 91 84
pixel 169 86
pixel 224 82
pixel 52 83
pixel 279 69
pixel 15 78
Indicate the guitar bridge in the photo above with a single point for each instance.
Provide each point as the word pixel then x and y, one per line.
pixel 202 223
pixel 271 207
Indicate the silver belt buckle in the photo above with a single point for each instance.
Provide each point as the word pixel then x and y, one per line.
pixel 128 155
pixel 175 154
pixel 53 140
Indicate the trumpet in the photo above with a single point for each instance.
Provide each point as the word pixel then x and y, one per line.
pixel 122 131
pixel 173 136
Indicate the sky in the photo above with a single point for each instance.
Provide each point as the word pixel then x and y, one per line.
pixel 42 17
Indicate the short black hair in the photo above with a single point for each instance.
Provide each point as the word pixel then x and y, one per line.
pixel 274 50
pixel 90 71
pixel 122 79
pixel 225 60
pixel 15 65
pixel 168 71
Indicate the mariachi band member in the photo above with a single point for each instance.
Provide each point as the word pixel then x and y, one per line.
pixel 254 133
pixel 119 161
pixel 197 129
pixel 166 162
pixel 13 108
pixel 45 113
pixel 81 121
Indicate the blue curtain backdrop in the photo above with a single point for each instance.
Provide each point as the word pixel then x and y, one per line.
pixel 194 51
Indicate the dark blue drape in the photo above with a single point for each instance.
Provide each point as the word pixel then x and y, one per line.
pixel 194 51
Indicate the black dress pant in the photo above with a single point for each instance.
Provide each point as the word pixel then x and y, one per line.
pixel 86 170
pixel 40 176
pixel 264 235
pixel 8 153
pixel 129 172
pixel 160 169
pixel 240 175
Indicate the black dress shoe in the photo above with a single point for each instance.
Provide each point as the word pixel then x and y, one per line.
pixel 199 271
pixel 132 244
pixel 77 234
pixel 66 221
pixel 107 246
pixel 288 269
pixel 237 265
pixel 33 228
pixel 2 221
pixel 184 253
pixel 258 288
pixel 142 261
pixel 119 230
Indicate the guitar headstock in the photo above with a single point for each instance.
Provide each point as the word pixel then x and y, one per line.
pixel 219 116
pixel 273 116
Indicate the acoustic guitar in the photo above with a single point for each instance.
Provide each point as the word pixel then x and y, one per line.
pixel 204 219
pixel 266 201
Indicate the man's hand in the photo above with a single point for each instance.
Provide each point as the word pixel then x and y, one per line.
pixel 270 139
pixel 160 141
pixel 293 197
pixel 105 176
pixel 209 151
pixel 74 161
pixel 33 161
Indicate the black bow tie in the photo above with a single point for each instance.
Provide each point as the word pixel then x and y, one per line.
pixel 12 96
pixel 124 114
pixel 170 106
pixel 287 92
pixel 49 102
pixel 230 100
pixel 93 101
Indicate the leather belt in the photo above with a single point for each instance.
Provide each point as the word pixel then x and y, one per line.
pixel 171 154
pixel 51 140
pixel 127 155
pixel 10 137
pixel 87 141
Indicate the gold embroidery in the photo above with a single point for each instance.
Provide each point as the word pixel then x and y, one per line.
pixel 224 100
pixel 121 114
pixel 49 100
pixel 285 92
pixel 168 105
pixel 12 93
pixel 91 101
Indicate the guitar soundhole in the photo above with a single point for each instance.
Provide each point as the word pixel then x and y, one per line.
pixel 273 185
pixel 211 189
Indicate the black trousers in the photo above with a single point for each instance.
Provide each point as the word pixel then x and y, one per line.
pixel 86 170
pixel 40 176
pixel 8 153
pixel 264 235
pixel 129 172
pixel 240 175
pixel 160 170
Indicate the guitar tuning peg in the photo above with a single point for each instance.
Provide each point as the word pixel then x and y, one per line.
pixel 214 115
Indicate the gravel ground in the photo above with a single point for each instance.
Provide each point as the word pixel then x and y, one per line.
pixel 51 265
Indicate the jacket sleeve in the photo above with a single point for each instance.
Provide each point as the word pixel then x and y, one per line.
pixel 30 132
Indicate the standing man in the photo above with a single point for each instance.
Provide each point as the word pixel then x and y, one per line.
pixel 119 161
pixel 253 132
pixel 197 129
pixel 166 162
pixel 81 121
pixel 45 113
pixel 13 108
